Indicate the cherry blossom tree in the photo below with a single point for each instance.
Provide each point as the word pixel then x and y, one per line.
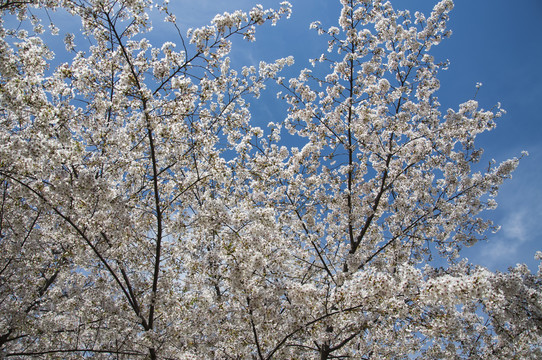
pixel 145 215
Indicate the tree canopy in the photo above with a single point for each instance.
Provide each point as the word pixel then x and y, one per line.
pixel 144 214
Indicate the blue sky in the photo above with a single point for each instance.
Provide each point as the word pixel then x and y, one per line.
pixel 499 43
pixel 495 42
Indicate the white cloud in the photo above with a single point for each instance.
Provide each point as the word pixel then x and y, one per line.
pixel 505 244
pixel 516 227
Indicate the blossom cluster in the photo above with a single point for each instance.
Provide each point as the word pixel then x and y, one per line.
pixel 143 214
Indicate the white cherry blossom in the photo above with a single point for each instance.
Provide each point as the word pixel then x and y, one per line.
pixel 144 215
